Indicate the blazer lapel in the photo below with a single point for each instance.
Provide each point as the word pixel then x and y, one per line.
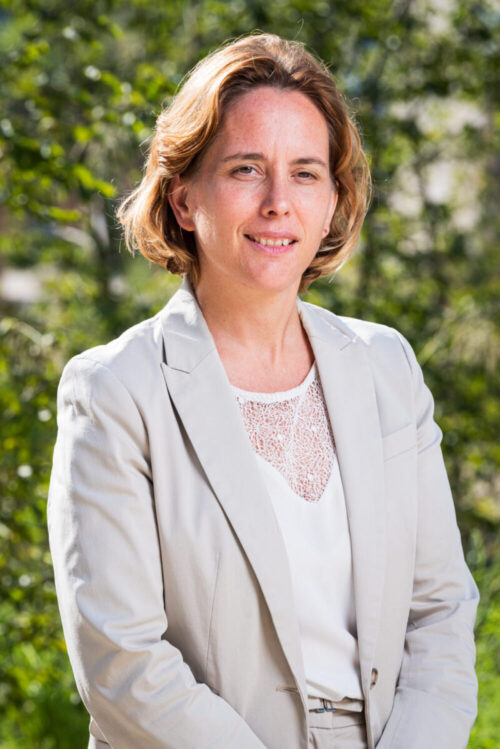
pixel 347 383
pixel 199 388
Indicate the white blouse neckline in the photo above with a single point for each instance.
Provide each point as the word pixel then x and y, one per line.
pixel 280 395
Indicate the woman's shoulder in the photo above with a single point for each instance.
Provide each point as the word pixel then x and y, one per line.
pixel 376 336
pixel 132 359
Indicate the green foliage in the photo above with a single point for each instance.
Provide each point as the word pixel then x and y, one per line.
pixel 82 85
pixel 34 677
pixel 487 574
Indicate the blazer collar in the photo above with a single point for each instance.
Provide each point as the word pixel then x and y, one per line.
pixel 185 332
pixel 190 339
pixel 200 390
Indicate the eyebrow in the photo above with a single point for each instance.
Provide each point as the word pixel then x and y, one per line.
pixel 260 157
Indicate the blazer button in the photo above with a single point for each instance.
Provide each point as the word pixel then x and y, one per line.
pixel 374 678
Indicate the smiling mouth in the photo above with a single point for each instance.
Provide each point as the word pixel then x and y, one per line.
pixel 274 242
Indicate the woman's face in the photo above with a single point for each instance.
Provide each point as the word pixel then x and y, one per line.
pixel 263 197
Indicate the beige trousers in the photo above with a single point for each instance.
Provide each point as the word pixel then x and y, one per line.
pixel 341 729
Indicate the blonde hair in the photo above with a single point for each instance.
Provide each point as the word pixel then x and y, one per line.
pixel 188 125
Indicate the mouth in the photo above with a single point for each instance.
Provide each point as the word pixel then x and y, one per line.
pixel 272 245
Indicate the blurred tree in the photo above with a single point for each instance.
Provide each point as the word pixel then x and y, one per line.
pixel 82 84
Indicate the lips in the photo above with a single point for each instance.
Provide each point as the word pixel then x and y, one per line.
pixel 282 240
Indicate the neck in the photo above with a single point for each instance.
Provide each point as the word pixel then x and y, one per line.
pixel 263 327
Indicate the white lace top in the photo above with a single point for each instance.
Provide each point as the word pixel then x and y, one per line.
pixel 292 437
pixel 291 430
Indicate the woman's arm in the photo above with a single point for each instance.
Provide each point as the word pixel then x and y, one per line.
pixel 106 557
pixel 436 695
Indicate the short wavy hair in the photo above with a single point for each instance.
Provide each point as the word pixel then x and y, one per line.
pixel 188 125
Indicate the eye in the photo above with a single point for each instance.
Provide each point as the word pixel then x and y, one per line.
pixel 305 175
pixel 245 169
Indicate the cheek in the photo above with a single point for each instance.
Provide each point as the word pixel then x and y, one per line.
pixel 314 203
pixel 230 209
pixel 217 221
pixel 204 224
pixel 315 216
pixel 328 212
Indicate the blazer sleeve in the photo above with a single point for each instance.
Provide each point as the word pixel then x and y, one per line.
pixel 106 557
pixel 436 696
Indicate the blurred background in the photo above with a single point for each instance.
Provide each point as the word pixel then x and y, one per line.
pixel 81 85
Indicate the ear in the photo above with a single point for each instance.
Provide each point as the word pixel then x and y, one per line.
pixel 178 198
pixel 331 212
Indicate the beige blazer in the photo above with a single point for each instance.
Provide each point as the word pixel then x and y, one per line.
pixel 171 573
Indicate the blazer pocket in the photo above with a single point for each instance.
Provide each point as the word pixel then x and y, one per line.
pixel 399 441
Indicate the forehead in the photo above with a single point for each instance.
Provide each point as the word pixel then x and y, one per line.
pixel 268 117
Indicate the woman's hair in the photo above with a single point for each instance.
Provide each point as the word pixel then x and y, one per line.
pixel 188 125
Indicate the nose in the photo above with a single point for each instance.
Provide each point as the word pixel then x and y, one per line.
pixel 276 200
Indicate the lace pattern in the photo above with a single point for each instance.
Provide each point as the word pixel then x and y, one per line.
pixel 291 431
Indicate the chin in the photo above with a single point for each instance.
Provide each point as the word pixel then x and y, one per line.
pixel 273 284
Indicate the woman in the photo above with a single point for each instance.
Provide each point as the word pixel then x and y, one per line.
pixel 253 535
